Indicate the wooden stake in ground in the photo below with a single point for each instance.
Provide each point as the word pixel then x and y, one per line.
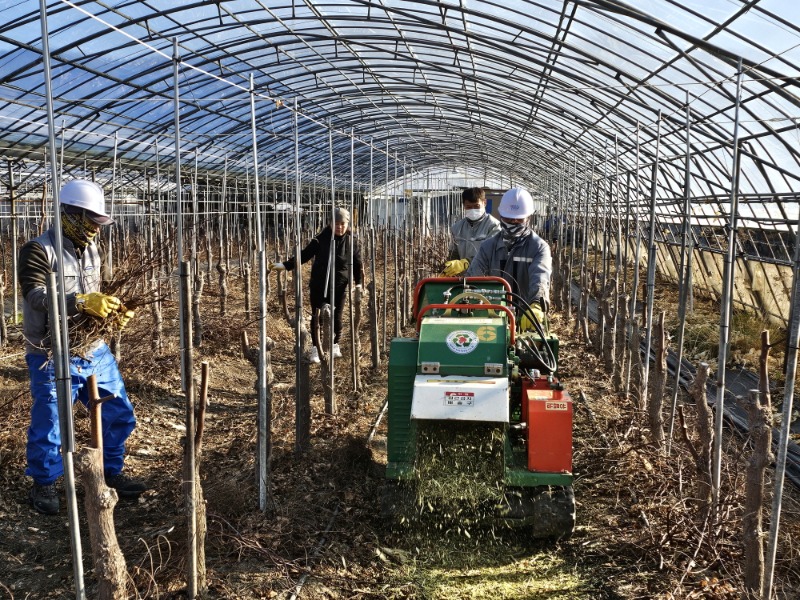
pixel 303 408
pixel 759 419
pixel 373 326
pixel 222 271
pixel 635 370
pixel 566 283
pixel 3 330
pixel 157 340
pixel 100 500
pixel 356 339
pixel 321 338
pixel 282 297
pixel 658 384
pixel 251 354
pixel 705 429
pixel 199 500
pixel 197 334
pixel 623 351
pixel 609 348
pixel 248 305
pixel 556 282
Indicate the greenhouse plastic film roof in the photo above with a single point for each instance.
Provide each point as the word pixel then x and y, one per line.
pixel 541 93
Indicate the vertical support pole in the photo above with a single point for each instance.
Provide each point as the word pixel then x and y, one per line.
pixel 792 343
pixel 353 330
pixel 635 282
pixel 112 229
pixel 14 237
pixel 330 280
pixel 264 443
pixel 651 261
pixel 394 252
pixel 189 454
pixel 684 280
pixel 373 296
pixel 385 250
pixel 727 291
pixel 301 412
pixel 59 328
pixel 176 61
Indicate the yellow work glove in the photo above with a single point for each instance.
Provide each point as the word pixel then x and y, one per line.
pixel 97 304
pixel 526 321
pixel 124 317
pixel 277 266
pixel 455 267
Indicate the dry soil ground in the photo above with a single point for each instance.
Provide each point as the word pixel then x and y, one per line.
pixel 633 537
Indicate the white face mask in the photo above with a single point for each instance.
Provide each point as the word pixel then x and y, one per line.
pixel 473 214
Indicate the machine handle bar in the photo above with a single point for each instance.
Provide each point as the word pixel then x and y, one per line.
pixel 477 279
pixel 511 320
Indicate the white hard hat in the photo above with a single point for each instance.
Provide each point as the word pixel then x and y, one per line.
pixel 516 203
pixel 87 195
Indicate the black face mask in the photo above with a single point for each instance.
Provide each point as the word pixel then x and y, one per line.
pixel 512 231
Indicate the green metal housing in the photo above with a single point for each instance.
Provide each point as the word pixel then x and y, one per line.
pixel 400 442
pixel 438 332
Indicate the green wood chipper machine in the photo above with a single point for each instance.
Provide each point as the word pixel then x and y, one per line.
pixel 469 366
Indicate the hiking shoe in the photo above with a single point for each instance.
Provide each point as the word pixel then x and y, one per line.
pixel 125 486
pixel 337 353
pixel 313 355
pixel 44 498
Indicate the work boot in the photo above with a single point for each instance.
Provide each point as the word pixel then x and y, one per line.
pixel 313 355
pixel 44 498
pixel 337 353
pixel 125 486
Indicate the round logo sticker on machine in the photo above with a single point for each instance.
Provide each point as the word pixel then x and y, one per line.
pixel 463 341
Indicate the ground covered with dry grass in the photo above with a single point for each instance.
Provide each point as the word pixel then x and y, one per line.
pixel 638 533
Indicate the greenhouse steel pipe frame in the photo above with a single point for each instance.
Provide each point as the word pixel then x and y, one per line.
pixel 60 341
pixel 726 302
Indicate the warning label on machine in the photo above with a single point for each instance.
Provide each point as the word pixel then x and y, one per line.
pixel 459 398
pixel 555 406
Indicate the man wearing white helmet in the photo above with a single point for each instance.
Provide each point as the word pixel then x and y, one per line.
pixel 517 254
pixel 83 212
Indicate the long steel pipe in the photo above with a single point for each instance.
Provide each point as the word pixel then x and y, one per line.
pixel 298 275
pixel 176 61
pixel 727 292
pixel 651 261
pixel 353 330
pixel 330 277
pixel 684 281
pixel 59 329
pixel 783 441
pixel 264 408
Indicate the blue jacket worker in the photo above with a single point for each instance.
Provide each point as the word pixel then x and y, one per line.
pixel 319 248
pixel 470 232
pixel 517 255
pixel 83 213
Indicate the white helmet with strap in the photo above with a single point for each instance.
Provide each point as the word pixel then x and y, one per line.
pixel 516 203
pixel 87 195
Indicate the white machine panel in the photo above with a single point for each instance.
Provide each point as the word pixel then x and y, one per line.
pixel 460 398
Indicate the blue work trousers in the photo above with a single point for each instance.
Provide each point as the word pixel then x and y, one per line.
pixel 44 433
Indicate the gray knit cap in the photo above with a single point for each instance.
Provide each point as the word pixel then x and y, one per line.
pixel 341 215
